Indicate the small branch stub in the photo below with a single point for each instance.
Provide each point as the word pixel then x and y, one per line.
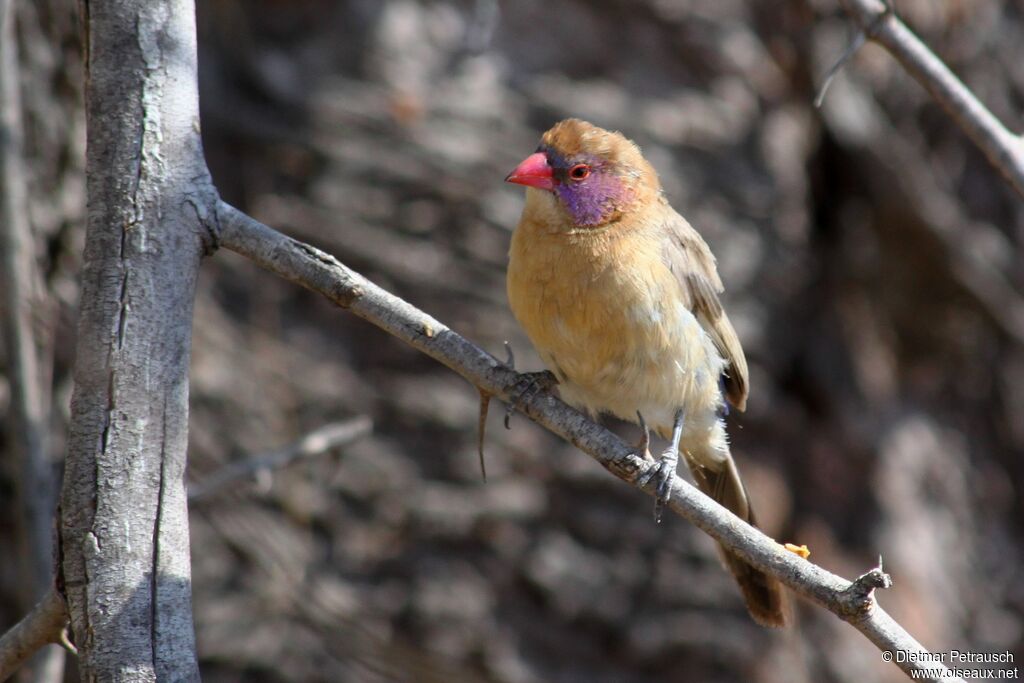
pixel 859 597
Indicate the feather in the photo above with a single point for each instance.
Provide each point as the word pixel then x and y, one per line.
pixel 693 264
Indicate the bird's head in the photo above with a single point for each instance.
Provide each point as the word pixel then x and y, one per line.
pixel 593 175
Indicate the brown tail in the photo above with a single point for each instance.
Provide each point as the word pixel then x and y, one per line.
pixel 762 593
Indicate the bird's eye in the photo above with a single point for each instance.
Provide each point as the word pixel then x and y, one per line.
pixel 579 171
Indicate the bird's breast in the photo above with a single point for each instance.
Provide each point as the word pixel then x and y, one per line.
pixel 606 316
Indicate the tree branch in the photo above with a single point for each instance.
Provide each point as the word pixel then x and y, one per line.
pixel 1004 150
pixel 316 442
pixel 305 265
pixel 43 625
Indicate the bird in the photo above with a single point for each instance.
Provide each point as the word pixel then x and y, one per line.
pixel 619 295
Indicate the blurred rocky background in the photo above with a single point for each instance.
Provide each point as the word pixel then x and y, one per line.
pixel 873 268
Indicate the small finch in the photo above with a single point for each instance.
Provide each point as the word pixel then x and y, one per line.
pixel 619 295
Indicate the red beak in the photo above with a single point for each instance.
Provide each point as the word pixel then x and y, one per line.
pixel 534 171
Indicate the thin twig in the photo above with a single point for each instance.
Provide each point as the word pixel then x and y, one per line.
pixel 315 443
pixel 1003 149
pixel 856 43
pixel 43 625
pixel 322 273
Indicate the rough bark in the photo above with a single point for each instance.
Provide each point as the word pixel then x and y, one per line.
pixel 124 524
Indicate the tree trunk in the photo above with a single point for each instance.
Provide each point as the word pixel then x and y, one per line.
pixel 124 520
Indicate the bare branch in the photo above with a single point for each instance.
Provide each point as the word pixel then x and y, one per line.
pixel 43 625
pixel 1004 149
pixel 315 443
pixel 320 272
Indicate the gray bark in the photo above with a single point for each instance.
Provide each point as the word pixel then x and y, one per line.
pixel 124 524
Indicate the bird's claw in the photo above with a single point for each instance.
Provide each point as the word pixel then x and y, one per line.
pixel 525 388
pixel 665 470
pixel 643 446
pixel 664 473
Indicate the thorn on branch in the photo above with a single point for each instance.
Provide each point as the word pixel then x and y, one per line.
pixel 856 43
pixel 858 598
pixel 481 428
pixel 64 640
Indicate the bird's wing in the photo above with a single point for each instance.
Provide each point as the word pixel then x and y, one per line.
pixel 693 264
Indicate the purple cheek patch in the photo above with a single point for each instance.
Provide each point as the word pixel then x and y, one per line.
pixel 591 201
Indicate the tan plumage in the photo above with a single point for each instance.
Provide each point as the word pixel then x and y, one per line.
pixel 619 295
pixel 691 261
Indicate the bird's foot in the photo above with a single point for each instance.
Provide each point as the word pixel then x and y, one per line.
pixel 664 473
pixel 526 388
pixel 643 446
